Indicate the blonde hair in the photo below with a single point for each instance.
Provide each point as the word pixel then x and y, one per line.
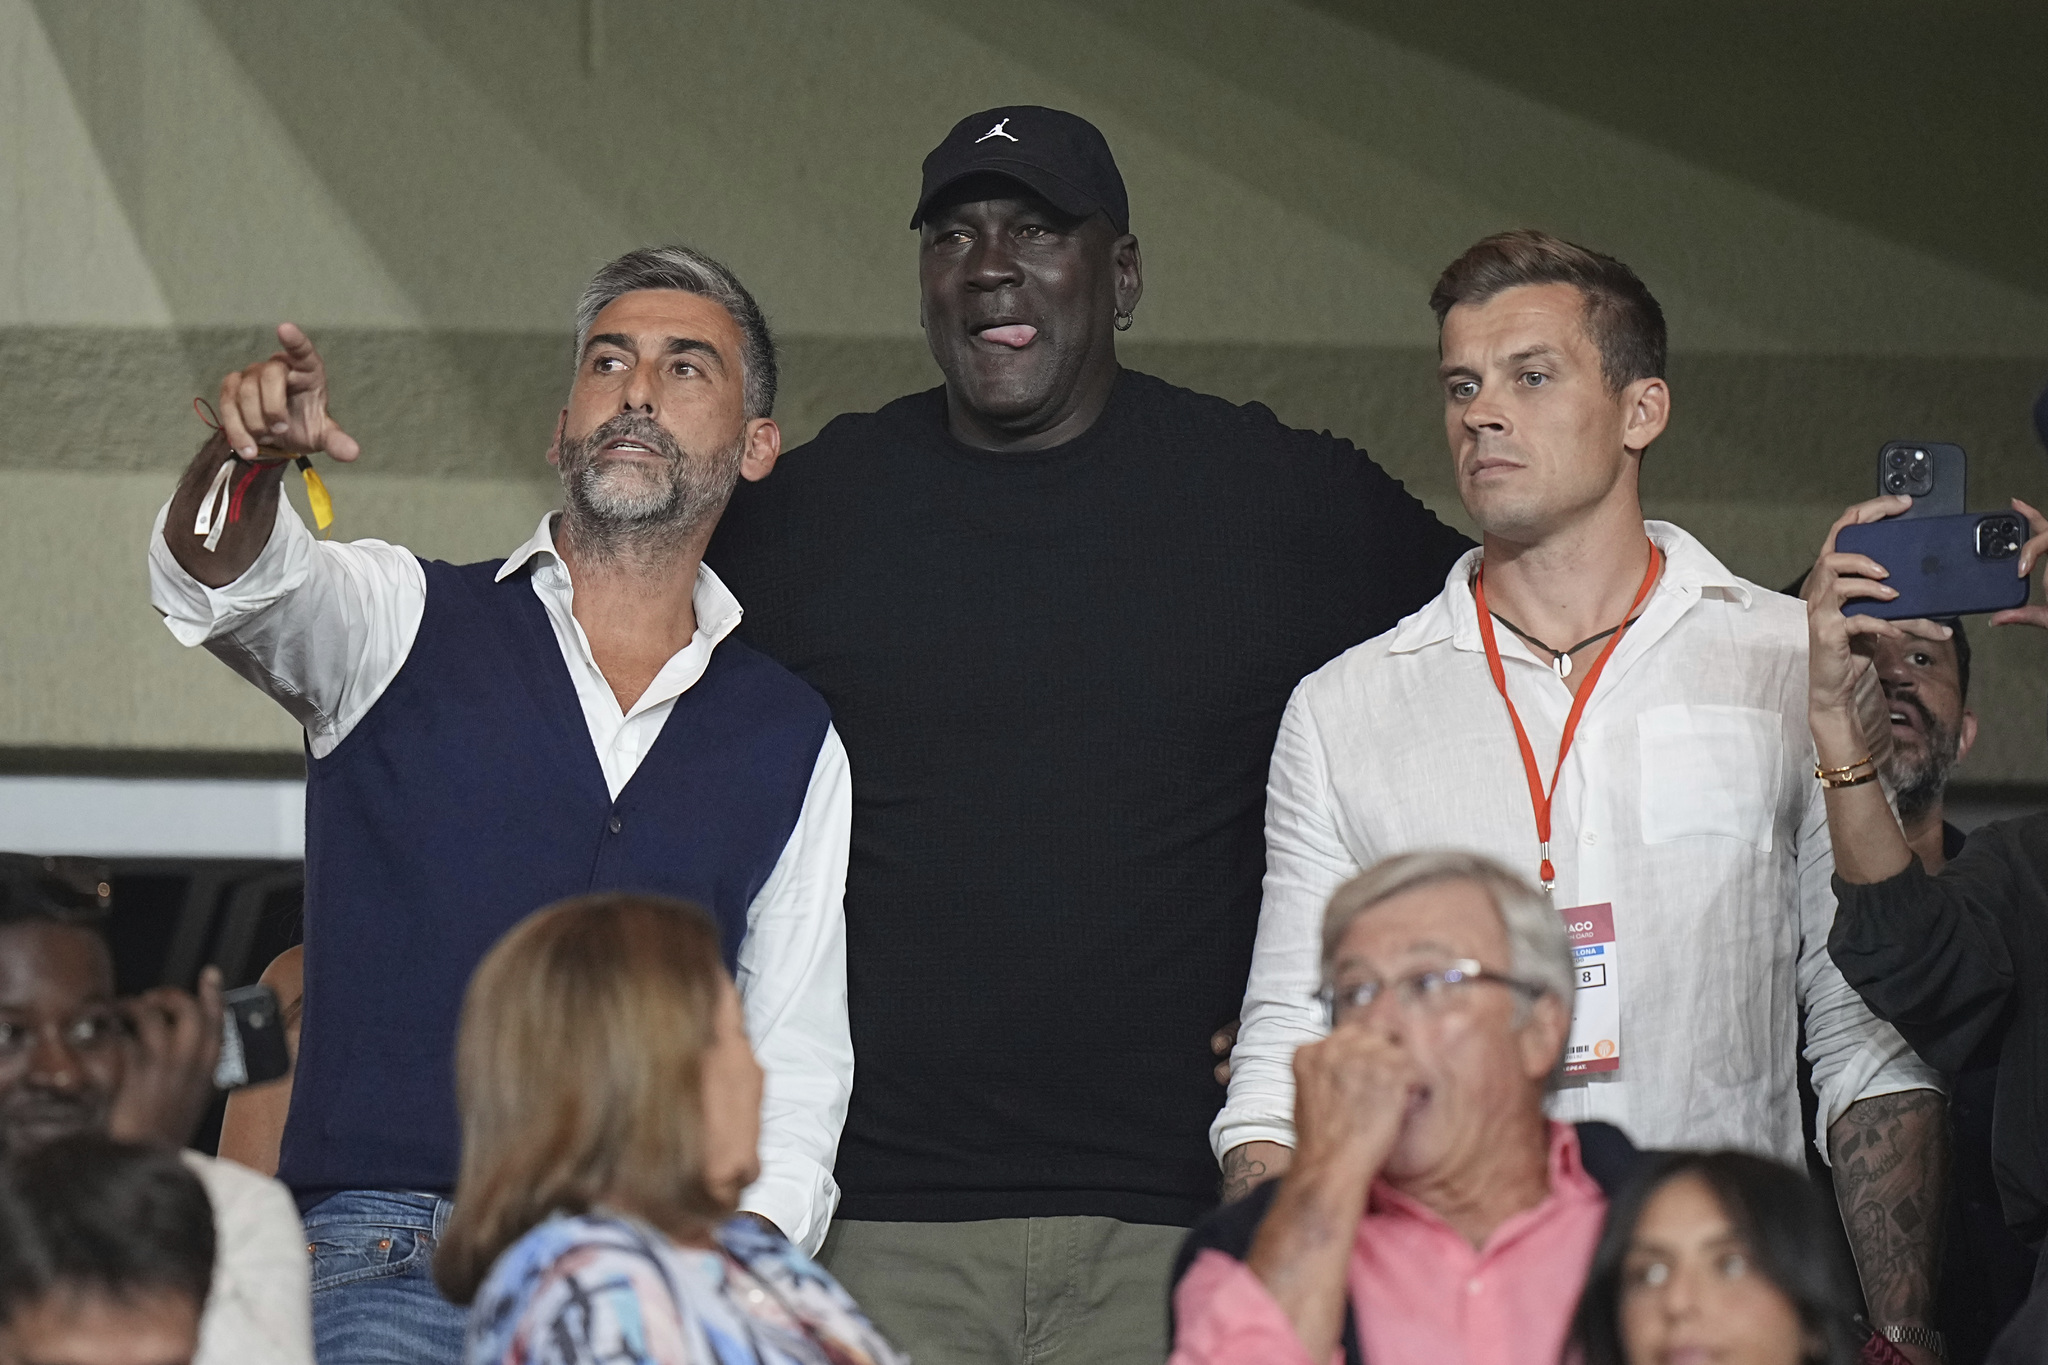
pixel 578 1075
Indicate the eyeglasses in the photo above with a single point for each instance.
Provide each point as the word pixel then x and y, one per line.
pixel 1418 990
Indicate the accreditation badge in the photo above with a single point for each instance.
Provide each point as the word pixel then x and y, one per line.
pixel 1595 1043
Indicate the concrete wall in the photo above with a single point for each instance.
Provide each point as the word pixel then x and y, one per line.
pixel 426 185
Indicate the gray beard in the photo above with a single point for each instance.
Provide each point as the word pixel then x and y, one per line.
pixel 1920 783
pixel 615 511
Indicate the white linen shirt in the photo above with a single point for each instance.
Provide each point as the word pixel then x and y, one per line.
pixel 324 626
pixel 260 1309
pixel 1688 801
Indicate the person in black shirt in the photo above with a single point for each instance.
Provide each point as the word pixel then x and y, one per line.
pixel 1948 945
pixel 1985 1269
pixel 1057 608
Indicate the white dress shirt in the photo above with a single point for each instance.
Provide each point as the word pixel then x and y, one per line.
pixel 260 1309
pixel 324 626
pixel 1687 801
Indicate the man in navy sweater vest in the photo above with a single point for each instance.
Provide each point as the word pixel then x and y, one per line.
pixel 487 738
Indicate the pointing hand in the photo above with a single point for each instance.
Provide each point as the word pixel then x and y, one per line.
pixel 280 405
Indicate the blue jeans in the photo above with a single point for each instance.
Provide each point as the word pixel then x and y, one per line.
pixel 374 1300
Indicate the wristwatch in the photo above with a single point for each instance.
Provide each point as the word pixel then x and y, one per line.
pixel 1926 1338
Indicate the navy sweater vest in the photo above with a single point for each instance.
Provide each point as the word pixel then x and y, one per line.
pixel 469 796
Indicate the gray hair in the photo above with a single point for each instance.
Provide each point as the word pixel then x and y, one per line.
pixel 1538 952
pixel 680 267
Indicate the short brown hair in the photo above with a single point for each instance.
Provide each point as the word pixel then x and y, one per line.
pixel 1622 318
pixel 578 1075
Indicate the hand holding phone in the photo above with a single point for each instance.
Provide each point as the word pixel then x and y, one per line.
pixel 1841 680
pixel 1939 567
pixel 167 1070
pixel 2031 555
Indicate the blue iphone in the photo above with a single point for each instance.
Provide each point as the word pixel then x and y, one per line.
pixel 1942 566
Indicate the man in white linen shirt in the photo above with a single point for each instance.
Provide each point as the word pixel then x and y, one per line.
pixel 484 739
pixel 1687 820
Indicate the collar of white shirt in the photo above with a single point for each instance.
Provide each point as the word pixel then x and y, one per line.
pixel 1690 572
pixel 718 614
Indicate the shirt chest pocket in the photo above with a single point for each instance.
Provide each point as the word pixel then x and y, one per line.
pixel 1716 771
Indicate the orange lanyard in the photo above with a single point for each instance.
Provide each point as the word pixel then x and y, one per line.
pixel 1538 797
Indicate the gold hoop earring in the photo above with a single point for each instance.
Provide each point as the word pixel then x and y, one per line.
pixel 1123 321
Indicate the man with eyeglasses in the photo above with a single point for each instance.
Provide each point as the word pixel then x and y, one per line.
pixel 76 1059
pixel 1432 1213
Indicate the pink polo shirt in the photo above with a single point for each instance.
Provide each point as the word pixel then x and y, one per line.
pixel 1421 1292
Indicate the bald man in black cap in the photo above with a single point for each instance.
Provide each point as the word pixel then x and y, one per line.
pixel 1057 607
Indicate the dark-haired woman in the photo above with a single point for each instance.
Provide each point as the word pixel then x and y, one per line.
pixel 610 1114
pixel 1722 1257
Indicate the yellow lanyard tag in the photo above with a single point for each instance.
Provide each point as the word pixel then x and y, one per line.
pixel 317 495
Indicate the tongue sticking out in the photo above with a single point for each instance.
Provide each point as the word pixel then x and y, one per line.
pixel 1017 334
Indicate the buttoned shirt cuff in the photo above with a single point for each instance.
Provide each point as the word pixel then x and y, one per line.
pixel 797 1195
pixel 1225 1317
pixel 1236 1128
pixel 1876 1069
pixel 196 613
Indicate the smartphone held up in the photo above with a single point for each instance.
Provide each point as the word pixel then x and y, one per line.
pixel 252 1046
pixel 1942 560
pixel 1942 566
pixel 1932 473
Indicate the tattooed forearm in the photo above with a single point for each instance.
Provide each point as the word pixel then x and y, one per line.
pixel 1253 1163
pixel 1240 1173
pixel 1891 1176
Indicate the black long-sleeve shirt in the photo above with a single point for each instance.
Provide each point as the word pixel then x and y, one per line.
pixel 1958 961
pixel 1058 675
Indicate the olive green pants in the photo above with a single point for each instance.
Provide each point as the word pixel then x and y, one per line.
pixel 1011 1291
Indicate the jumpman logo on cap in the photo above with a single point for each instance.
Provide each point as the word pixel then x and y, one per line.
pixel 996 131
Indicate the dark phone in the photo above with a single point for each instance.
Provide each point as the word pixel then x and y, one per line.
pixel 1932 473
pixel 1942 566
pixel 252 1048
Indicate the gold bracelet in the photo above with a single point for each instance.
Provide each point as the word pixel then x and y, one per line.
pixel 1854 774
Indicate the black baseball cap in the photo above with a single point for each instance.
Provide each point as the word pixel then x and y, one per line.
pixel 1061 157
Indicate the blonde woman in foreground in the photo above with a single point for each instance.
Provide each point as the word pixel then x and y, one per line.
pixel 610 1112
